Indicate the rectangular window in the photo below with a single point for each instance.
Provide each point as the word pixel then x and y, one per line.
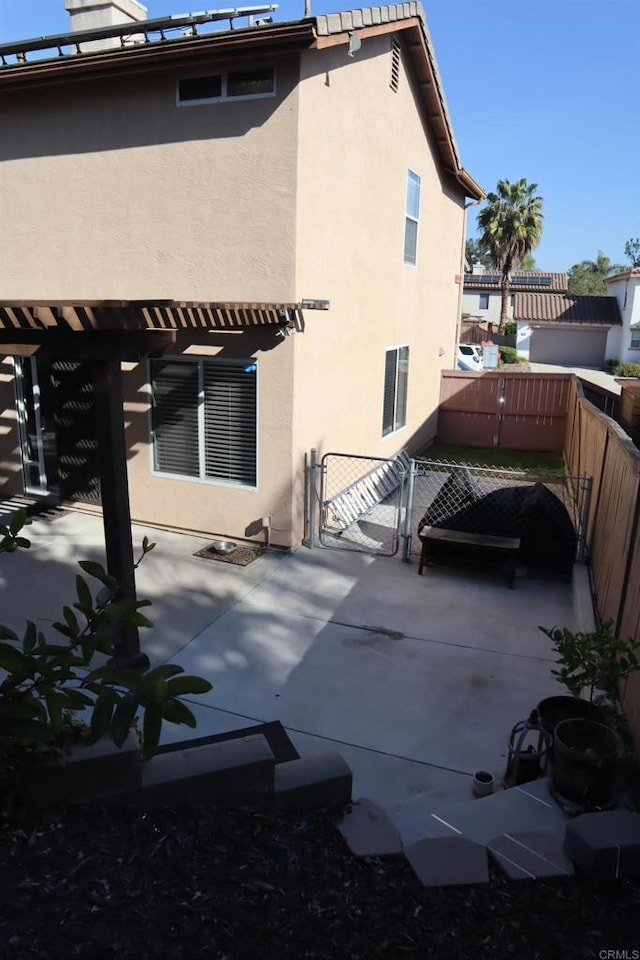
pixel 394 403
pixel 635 340
pixel 484 301
pixel 246 84
pixel 411 218
pixel 204 419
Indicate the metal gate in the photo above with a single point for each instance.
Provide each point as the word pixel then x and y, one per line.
pixel 360 502
pixel 371 504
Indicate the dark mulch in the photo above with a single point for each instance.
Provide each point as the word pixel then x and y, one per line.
pixel 242 884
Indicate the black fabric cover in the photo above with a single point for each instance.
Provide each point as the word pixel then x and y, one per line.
pixel 531 512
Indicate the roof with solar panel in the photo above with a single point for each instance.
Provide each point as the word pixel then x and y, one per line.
pixel 522 280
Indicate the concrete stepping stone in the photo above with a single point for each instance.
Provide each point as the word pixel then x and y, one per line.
pixel 529 855
pixel 448 861
pixel 369 832
pixel 529 807
pixel 605 844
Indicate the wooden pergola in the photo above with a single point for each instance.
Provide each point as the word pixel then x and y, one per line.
pixel 103 335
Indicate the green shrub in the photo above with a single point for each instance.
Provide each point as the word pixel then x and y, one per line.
pixel 623 369
pixel 509 355
pixel 46 686
pixel 510 328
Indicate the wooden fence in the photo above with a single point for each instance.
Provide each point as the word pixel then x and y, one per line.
pixel 597 445
pixel 518 411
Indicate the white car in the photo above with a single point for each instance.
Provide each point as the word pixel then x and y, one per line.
pixel 469 357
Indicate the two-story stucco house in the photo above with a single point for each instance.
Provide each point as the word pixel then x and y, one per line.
pixel 263 223
pixel 623 342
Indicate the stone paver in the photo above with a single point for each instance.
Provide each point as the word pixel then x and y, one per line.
pixel 526 808
pixel 369 832
pixel 605 844
pixel 529 855
pixel 448 861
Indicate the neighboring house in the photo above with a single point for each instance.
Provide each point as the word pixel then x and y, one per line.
pixel 564 329
pixel 482 296
pixel 265 224
pixel 623 342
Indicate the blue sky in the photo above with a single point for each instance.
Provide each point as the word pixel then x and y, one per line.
pixel 542 89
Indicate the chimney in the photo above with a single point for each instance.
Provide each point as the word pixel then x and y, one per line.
pixel 90 14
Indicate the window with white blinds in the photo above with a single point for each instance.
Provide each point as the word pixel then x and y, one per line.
pixel 204 419
pixel 396 377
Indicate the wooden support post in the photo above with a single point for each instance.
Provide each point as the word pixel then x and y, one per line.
pixel 116 516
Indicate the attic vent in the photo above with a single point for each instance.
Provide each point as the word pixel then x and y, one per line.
pixel 395 64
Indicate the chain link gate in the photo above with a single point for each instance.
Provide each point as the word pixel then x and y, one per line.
pixel 371 504
pixel 360 502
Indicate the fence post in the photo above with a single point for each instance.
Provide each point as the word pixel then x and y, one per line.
pixel 313 494
pixel 584 517
pixel 408 513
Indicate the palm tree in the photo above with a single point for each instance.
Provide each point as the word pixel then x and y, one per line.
pixel 511 225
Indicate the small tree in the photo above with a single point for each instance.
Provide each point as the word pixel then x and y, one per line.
pixel 632 251
pixel 587 278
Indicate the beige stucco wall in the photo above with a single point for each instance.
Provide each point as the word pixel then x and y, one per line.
pixel 218 508
pixel 109 190
pixel 357 140
pixel 114 192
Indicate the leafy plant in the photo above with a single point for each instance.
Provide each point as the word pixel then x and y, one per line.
pixel 510 328
pixel 597 661
pixel 623 369
pixel 48 686
pixel 510 355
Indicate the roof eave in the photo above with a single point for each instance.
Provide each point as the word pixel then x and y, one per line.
pixel 429 85
pixel 279 38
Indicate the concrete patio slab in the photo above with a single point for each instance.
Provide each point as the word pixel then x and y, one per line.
pixel 417 681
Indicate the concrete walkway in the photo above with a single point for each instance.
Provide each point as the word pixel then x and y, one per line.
pixel 416 680
pixel 599 378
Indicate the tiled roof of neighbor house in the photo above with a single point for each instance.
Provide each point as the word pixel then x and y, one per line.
pixel 65 59
pixel 521 280
pixel 562 308
pixel 624 275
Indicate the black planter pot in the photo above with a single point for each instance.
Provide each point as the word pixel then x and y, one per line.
pixel 585 753
pixel 554 710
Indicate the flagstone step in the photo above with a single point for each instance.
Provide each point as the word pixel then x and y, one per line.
pixel 529 807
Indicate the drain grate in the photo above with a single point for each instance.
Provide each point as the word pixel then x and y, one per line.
pixel 240 557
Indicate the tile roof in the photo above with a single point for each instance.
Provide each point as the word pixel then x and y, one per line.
pixel 490 280
pixel 562 308
pixel 624 274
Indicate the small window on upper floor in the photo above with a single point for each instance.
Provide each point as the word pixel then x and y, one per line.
pixel 249 84
pixel 484 301
pixel 412 214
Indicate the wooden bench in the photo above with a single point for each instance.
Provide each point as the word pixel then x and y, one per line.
pixel 478 544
